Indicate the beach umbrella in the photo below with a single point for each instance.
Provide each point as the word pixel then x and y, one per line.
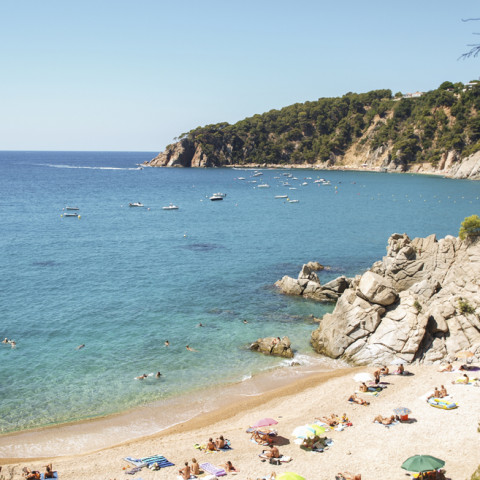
pixel 422 463
pixel 398 361
pixel 402 411
pixel 308 431
pixel 264 422
pixel 290 476
pixel 363 377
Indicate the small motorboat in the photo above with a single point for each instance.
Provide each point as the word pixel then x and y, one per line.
pixel 292 201
pixel 264 185
pixel 215 198
pixel 281 196
pixel 72 208
pixel 136 204
pixel 71 215
pixel 170 207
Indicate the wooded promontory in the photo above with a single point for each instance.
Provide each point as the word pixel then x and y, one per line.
pixel 436 131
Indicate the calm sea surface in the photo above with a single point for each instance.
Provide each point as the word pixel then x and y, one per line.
pixel 123 280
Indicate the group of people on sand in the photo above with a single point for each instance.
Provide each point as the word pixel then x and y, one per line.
pixel 194 469
pixel 35 474
pixel 442 393
pixel 219 444
pixel 9 342
pixel 333 420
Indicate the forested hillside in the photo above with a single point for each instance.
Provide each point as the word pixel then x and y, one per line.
pixel 375 127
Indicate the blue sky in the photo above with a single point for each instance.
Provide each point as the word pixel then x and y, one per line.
pixel 132 75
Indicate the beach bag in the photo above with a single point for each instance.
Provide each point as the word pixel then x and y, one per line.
pixel 275 461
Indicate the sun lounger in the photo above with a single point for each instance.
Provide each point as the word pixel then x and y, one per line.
pixel 208 467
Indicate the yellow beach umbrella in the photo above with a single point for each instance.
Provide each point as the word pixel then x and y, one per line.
pixel 290 476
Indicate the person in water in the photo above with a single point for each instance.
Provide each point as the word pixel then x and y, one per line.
pixel 190 349
pixel 158 375
pixel 141 377
pixel 167 343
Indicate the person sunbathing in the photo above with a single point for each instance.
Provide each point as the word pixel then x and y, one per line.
pixel 272 453
pixel 465 380
pixel 384 370
pixel 185 472
pixel 195 468
pixel 435 394
pixel 348 476
pixel 228 467
pixel 220 442
pixel 363 387
pixel 400 370
pixel 49 473
pixel 448 368
pixel 331 421
pixel 211 446
pixel 261 438
pixel 384 420
pixel 31 474
pixel 355 399
pixel 443 392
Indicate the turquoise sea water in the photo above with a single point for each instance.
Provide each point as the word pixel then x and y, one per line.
pixel 123 280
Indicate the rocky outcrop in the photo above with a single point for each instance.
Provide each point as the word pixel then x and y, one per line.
pixel 308 285
pixel 420 303
pixel 273 346
pixel 184 153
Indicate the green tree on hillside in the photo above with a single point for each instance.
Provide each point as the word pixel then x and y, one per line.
pixel 470 228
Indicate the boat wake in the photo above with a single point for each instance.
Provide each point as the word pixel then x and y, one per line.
pixel 86 168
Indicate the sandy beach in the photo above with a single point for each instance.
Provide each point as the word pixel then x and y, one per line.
pixel 365 447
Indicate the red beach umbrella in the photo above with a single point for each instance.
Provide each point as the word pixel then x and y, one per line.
pixel 264 422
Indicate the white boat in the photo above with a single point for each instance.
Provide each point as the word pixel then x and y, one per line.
pixel 241 178
pixel 257 174
pixel 71 214
pixel 264 185
pixel 136 204
pixel 281 196
pixel 216 197
pixel 170 207
pixel 304 183
pixel 72 208
pixel 292 201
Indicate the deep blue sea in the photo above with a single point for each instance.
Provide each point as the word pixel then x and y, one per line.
pixel 122 280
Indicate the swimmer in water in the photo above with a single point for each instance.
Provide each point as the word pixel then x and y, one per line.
pixel 80 346
pixel 158 375
pixel 201 324
pixel 141 377
pixel 190 349
pixel 167 343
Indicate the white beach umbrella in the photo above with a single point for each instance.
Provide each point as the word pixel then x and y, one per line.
pixel 363 377
pixel 398 361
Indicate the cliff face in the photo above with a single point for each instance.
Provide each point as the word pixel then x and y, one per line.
pixel 421 302
pixel 188 153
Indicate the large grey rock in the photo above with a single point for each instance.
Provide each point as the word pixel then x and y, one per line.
pixel 308 285
pixel 407 305
pixel 273 346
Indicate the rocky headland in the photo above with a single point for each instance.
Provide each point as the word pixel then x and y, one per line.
pixel 188 153
pixel 420 303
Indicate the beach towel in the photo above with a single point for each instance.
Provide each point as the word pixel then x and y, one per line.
pixel 208 467
pixel 161 461
pixel 396 422
pixel 190 478
pixel 42 476
pixel 372 394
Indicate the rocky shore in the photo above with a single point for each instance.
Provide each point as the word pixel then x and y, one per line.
pixel 187 153
pixel 420 303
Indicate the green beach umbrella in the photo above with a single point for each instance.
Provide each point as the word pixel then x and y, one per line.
pixel 422 463
pixel 289 476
